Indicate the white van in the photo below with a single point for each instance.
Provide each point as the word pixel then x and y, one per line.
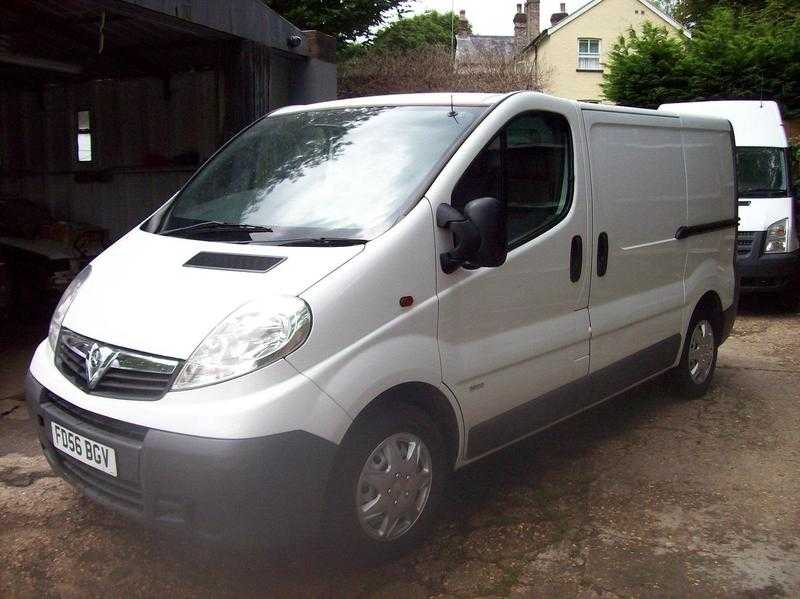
pixel 768 249
pixel 351 299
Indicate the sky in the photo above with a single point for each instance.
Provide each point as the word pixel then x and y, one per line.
pixel 493 17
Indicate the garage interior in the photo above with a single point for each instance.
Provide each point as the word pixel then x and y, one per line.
pixel 108 106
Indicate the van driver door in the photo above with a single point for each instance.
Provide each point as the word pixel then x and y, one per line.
pixel 514 340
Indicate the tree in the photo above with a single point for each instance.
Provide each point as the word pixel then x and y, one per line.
pixel 733 54
pixel 746 55
pixel 347 20
pixel 431 29
pixel 646 69
pixel 693 12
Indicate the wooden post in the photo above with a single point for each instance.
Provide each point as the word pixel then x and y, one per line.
pixel 245 69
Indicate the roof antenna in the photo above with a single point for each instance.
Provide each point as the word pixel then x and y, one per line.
pixel 761 91
pixel 452 112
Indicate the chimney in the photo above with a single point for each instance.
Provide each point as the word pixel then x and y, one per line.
pixel 559 16
pixel 520 29
pixel 532 11
pixel 462 28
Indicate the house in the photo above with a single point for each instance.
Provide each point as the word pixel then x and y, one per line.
pixel 574 48
pixel 475 52
pixel 108 106
pixel 570 54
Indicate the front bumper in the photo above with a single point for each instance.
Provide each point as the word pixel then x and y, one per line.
pixel 766 273
pixel 263 491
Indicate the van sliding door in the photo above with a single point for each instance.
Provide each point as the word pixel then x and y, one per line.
pixel 637 291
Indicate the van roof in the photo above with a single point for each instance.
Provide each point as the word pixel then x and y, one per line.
pixel 445 99
pixel 436 99
pixel 468 99
pixel 755 123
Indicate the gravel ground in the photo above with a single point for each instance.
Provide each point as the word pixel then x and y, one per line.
pixel 646 496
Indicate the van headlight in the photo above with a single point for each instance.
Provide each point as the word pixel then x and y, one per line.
pixel 257 334
pixel 777 237
pixel 63 305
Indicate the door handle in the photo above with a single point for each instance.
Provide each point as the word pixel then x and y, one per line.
pixel 576 259
pixel 602 254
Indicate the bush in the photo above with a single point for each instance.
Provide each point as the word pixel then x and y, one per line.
pixel 431 69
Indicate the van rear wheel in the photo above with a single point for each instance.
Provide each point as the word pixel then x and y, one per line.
pixel 694 373
pixel 387 484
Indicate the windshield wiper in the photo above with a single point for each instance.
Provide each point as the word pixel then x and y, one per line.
pixel 219 226
pixel 315 241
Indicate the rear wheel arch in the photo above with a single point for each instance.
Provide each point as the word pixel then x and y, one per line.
pixel 711 305
pixel 694 372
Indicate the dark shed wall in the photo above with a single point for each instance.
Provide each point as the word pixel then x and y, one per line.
pixel 138 129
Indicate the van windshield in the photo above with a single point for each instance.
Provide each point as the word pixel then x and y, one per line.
pixel 335 174
pixel 762 172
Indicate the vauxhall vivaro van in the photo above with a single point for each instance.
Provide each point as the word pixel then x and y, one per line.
pixel 351 299
pixel 768 249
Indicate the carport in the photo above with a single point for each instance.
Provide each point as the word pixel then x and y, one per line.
pixel 107 106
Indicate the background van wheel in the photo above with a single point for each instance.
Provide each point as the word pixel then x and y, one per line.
pixel 387 485
pixel 693 375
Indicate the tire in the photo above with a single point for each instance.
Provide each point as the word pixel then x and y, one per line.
pixel 693 375
pixel 363 480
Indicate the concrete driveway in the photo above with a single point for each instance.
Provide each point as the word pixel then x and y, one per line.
pixel 646 496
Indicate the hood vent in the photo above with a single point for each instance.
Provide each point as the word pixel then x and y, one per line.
pixel 238 262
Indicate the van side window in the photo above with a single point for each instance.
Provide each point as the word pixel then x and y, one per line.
pixel 528 166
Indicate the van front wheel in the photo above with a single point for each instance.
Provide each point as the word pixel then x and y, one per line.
pixel 387 485
pixel 695 371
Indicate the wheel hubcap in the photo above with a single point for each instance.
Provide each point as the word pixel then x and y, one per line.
pixel 394 486
pixel 701 352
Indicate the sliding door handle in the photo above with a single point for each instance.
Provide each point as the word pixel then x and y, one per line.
pixel 602 254
pixel 576 259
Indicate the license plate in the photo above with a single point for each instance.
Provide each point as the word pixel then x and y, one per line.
pixel 84 450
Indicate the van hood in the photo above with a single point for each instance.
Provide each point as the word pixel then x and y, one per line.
pixel 140 296
pixel 757 214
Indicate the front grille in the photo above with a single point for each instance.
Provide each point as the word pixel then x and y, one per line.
pixel 128 374
pixel 744 242
pixel 118 491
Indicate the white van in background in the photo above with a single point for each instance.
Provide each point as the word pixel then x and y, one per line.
pixel 768 247
pixel 352 299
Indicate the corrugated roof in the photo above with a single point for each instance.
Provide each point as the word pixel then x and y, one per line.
pixel 115 37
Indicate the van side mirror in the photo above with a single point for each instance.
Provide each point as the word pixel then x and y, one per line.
pixel 479 234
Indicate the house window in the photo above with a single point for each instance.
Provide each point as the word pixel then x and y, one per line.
pixel 589 54
pixel 84 136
